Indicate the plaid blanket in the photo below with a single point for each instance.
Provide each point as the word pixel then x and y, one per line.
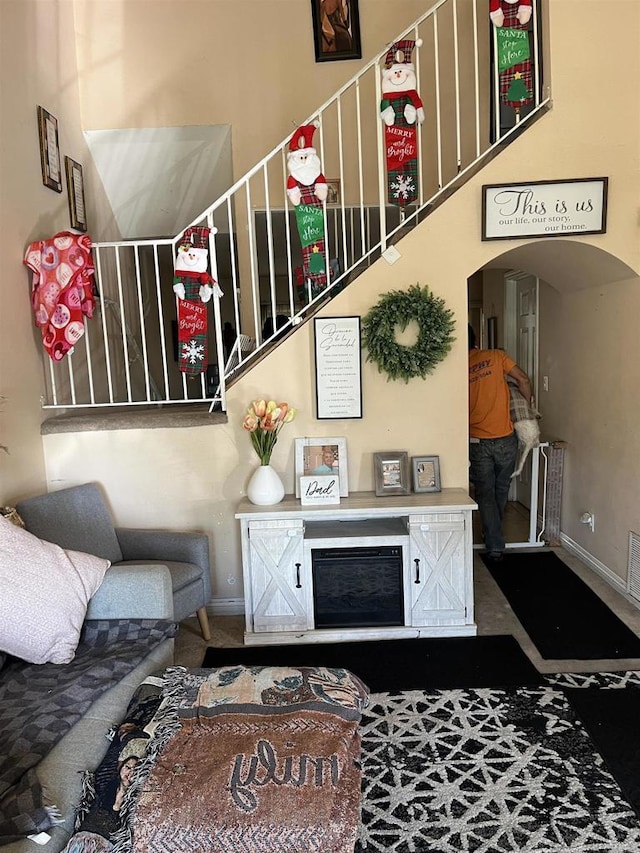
pixel 39 704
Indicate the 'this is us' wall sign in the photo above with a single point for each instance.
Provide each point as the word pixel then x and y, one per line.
pixel 544 208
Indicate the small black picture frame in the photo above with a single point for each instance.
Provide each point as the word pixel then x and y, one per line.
pixel 49 150
pixel 75 192
pixel 336 30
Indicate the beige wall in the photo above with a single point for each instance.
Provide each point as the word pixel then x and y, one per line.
pixel 194 478
pixel 246 63
pixel 37 67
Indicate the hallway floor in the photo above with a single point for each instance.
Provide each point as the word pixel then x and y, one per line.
pixel 493 614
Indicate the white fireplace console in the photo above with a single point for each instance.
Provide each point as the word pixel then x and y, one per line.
pixel 433 530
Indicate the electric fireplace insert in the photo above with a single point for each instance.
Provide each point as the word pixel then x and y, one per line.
pixel 357 587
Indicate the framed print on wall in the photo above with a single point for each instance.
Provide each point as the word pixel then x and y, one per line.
pixel 426 473
pixel 75 191
pixel 338 363
pixel 336 30
pixel 49 150
pixel 319 456
pixel 333 190
pixel 391 472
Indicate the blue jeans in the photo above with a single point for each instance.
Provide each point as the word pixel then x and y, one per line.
pixel 493 461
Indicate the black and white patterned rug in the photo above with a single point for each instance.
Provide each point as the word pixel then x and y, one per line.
pixel 489 771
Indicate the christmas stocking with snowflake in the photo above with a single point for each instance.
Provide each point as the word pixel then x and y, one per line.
pixel 401 109
pixel 307 190
pixel 194 287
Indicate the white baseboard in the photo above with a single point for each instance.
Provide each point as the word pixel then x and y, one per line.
pixel 226 607
pixel 604 571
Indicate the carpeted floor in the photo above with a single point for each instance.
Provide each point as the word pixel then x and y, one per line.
pixel 391 665
pixel 563 617
pixel 488 771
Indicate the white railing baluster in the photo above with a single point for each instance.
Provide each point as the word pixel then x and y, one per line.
pixel 87 355
pixel 103 316
pixel 456 65
pixel 145 360
pixel 476 75
pixel 270 258
pixel 72 384
pixel 253 260
pixel 123 326
pixel 163 341
pixel 436 59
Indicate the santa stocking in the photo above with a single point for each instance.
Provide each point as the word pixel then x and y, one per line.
pixel 307 190
pixel 194 287
pixel 310 222
pixel 510 17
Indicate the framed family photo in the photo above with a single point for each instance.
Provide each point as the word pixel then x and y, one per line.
pixel 426 473
pixel 336 30
pixel 391 473
pixel 321 457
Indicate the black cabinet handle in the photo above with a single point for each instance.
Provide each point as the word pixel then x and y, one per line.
pixel 417 562
pixel 298 584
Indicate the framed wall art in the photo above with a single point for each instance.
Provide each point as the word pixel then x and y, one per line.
pixel 391 472
pixel 49 150
pixel 333 190
pixel 322 456
pixel 426 473
pixel 338 365
pixel 544 208
pixel 336 30
pixel 75 191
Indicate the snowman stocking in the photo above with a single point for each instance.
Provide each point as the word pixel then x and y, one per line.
pixel 401 109
pixel 194 287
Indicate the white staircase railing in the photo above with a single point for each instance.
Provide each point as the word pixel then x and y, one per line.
pixel 129 354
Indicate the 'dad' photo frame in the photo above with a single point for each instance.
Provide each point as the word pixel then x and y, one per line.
pixel 326 455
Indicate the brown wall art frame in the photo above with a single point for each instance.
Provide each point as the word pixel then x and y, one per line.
pixel 336 30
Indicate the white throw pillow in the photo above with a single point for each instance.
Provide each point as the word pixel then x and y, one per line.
pixel 44 593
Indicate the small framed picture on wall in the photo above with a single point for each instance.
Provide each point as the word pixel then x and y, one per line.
pixel 49 150
pixel 75 191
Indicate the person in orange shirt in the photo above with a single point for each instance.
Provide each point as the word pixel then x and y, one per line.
pixel 493 444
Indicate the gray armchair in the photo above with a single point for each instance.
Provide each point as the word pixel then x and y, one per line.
pixel 78 519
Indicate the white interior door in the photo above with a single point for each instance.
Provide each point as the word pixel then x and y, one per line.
pixel 521 342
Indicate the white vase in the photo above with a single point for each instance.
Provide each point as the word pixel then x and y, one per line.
pixel 265 487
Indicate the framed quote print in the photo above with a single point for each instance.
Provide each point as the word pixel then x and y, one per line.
pixel 338 367
pixel 49 150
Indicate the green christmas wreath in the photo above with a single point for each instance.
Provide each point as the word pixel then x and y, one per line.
pixel 397 309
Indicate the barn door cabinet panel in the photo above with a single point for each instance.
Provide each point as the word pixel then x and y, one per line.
pixel 441 577
pixel 280 590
